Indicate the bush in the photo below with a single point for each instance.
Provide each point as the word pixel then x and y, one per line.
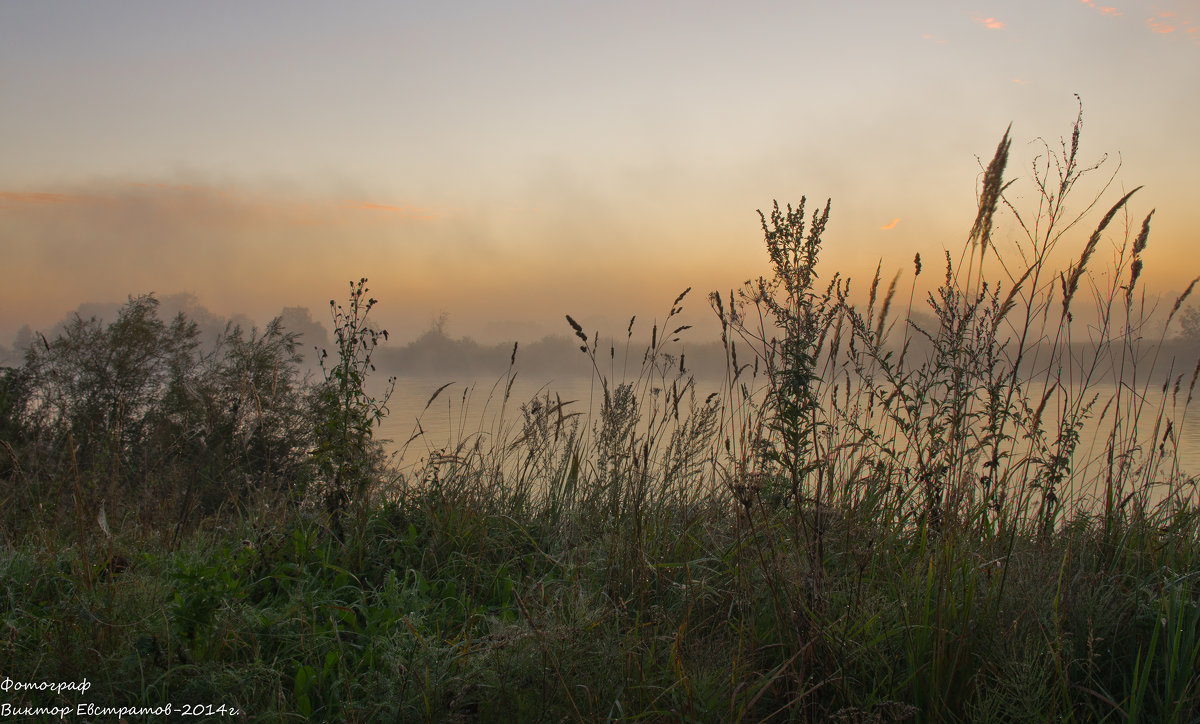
pixel 135 413
pixel 346 413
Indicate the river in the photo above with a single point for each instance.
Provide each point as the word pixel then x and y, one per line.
pixel 471 410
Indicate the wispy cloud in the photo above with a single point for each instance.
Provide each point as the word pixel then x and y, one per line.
pixel 407 212
pixel 203 202
pixel 1167 22
pixel 216 241
pixel 1020 81
pixel 933 39
pixel 992 23
pixel 890 225
pixel 1162 23
pixel 1102 9
pixel 41 198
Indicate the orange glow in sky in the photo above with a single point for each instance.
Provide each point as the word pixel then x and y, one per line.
pixel 508 163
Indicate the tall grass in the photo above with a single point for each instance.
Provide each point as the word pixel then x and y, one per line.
pixel 875 517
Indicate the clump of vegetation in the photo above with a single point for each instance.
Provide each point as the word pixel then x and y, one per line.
pixel 348 414
pixel 969 512
pixel 137 416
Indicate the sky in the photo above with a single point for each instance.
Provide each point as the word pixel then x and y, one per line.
pixel 505 164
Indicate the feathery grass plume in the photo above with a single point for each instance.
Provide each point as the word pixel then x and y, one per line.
pixel 835 344
pixel 1010 300
pixel 1192 384
pixel 578 333
pixel 1076 129
pixel 883 310
pixel 1135 269
pixel 435 394
pixel 871 296
pixel 1181 299
pixel 1069 173
pixel 917 264
pixel 1071 283
pixel 508 387
pixel 578 329
pixel 989 196
pixel 675 308
pixel 830 290
pixel 715 299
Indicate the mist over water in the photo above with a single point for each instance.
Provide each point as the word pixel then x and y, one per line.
pixel 466 413
pixel 474 408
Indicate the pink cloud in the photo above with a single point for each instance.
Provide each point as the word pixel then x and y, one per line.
pixel 992 23
pixel 1102 9
pixel 890 225
pixel 933 39
pixel 1162 22
pixel 1160 26
pixel 1167 22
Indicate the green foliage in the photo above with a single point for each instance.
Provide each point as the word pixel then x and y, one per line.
pixel 348 413
pixel 137 414
pixel 14 391
pixel 99 384
pixel 802 318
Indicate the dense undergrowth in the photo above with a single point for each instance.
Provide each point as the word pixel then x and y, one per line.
pixel 876 519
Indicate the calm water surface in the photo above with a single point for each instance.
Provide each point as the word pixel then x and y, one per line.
pixel 477 408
